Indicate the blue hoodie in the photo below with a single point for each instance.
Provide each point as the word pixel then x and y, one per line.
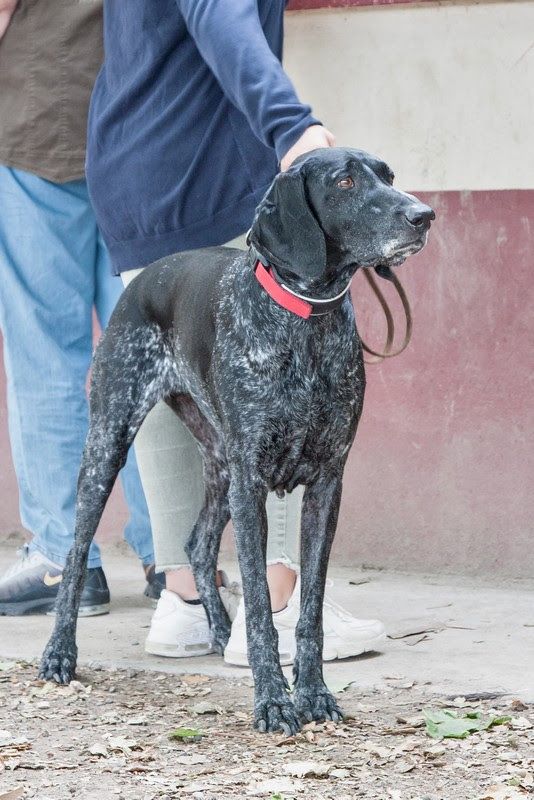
pixel 190 115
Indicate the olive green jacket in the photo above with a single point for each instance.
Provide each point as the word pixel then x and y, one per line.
pixel 49 58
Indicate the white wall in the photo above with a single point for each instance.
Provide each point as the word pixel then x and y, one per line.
pixel 443 91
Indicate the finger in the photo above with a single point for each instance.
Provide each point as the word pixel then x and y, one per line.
pixel 330 138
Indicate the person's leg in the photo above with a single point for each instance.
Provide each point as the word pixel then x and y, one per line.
pixel 137 533
pixel 283 545
pixel 47 250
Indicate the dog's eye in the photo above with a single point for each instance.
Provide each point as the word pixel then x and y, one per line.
pixel 346 183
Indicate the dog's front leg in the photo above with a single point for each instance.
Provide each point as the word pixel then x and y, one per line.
pixel 273 709
pixel 320 511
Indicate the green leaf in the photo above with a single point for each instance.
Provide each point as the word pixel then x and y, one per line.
pixel 186 735
pixel 277 796
pixel 498 721
pixel 446 724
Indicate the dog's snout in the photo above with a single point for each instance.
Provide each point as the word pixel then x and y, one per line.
pixel 419 215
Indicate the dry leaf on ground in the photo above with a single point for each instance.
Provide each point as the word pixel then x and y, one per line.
pixel 306 769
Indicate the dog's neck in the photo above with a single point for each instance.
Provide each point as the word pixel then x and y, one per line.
pixel 333 281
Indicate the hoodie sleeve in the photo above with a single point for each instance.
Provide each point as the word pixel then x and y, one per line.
pixel 230 38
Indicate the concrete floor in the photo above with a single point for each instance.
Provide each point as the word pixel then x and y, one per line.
pixel 480 639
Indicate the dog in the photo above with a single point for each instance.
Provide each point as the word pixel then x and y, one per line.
pixel 258 354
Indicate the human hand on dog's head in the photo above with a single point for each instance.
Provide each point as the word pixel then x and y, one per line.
pixel 334 210
pixel 313 137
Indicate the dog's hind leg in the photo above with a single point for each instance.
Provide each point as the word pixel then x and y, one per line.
pixel 104 455
pixel 124 389
pixel 320 510
pixel 202 547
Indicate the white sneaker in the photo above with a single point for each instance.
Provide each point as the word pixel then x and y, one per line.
pixel 231 595
pixel 344 635
pixel 181 630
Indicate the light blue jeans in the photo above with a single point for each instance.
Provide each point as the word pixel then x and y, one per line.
pixel 54 269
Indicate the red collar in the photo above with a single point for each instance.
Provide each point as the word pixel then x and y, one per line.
pixel 304 307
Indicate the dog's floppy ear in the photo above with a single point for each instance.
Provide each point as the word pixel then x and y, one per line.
pixel 285 230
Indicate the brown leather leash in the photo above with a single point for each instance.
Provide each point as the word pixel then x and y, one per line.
pixel 387 351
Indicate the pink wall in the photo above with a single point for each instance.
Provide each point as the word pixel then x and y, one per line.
pixel 438 475
pixel 441 473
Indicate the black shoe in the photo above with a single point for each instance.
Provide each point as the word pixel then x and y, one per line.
pixel 31 585
pixel 155 582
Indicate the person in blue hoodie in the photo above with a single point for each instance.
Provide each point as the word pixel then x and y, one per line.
pixel 191 116
pixel 54 271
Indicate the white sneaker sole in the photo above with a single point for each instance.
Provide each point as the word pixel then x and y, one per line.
pixel 351 652
pixel 238 659
pixel 178 650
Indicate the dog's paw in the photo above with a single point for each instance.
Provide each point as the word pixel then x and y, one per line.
pixel 276 714
pixel 58 662
pixel 317 705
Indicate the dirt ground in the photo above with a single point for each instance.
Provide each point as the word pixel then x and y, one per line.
pixel 108 736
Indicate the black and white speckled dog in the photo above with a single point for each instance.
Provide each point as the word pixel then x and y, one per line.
pixel 270 384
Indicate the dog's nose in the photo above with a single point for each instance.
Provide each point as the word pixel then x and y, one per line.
pixel 419 215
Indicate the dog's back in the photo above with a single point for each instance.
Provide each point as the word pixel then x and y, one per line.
pixel 177 287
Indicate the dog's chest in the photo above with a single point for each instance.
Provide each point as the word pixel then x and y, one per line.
pixel 311 413
pixel 295 407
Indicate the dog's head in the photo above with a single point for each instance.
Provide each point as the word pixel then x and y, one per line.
pixel 336 208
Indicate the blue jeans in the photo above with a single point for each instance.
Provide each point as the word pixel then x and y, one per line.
pixel 54 269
